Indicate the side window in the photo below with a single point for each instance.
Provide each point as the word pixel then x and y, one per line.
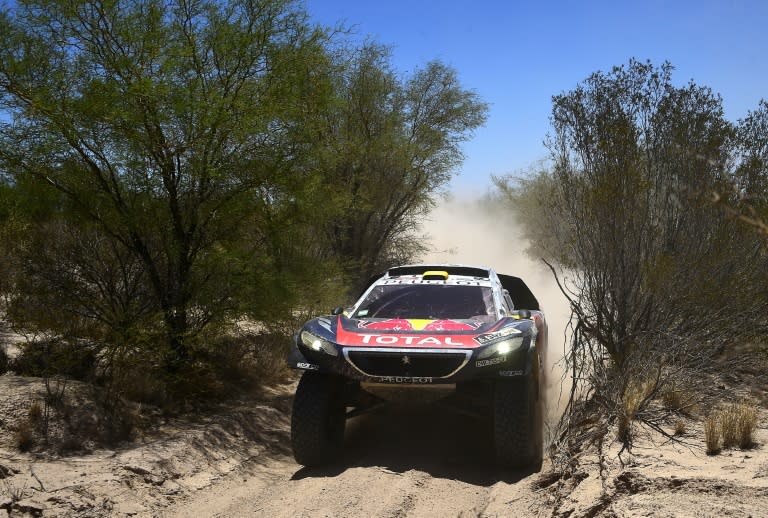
pixel 508 301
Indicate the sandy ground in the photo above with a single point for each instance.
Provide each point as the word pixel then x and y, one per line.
pixel 422 462
pixel 416 460
pixel 407 461
pixel 174 460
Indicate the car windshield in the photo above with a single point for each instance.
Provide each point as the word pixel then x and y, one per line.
pixel 428 301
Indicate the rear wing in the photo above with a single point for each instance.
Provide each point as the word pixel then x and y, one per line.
pixel 468 271
pixel 521 295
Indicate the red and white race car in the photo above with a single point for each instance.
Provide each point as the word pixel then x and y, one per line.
pixel 462 326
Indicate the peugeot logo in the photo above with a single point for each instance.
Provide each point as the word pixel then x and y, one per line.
pixel 406 360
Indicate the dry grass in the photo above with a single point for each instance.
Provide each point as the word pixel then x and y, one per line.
pixel 739 422
pixel 634 395
pixel 680 428
pixel 735 424
pixel 24 437
pixel 712 434
pixel 12 491
pixel 678 399
pixel 35 412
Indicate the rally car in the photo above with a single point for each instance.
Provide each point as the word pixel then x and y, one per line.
pixel 459 327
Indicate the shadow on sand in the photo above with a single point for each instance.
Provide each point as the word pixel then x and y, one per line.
pixel 423 437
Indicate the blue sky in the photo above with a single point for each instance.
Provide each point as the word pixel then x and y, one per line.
pixel 516 55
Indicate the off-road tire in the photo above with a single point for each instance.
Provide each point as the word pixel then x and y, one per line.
pixel 318 419
pixel 517 422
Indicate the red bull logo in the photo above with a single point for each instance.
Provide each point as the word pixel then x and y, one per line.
pixel 401 324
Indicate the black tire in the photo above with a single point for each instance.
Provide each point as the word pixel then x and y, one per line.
pixel 318 419
pixel 517 423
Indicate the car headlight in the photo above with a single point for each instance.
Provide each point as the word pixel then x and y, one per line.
pixel 501 348
pixel 318 344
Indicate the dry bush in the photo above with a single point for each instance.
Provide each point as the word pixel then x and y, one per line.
pixel 4 359
pixel 223 365
pixel 712 434
pixel 738 422
pixel 142 386
pixel 633 155
pixel 635 396
pixel 14 492
pixel 51 357
pixel 678 399
pixel 681 428
pixel 55 387
pixel 134 377
pixel 243 360
pixel 35 412
pixel 747 425
pixel 735 423
pixel 24 437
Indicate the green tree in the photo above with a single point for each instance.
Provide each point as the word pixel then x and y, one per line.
pixel 165 125
pixel 395 144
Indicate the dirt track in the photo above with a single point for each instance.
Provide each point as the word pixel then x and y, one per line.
pixel 413 461
pixel 417 460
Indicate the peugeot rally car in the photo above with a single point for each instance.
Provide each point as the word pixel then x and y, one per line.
pixel 454 326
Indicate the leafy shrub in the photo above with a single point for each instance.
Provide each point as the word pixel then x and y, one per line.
pixel 45 358
pixel 234 362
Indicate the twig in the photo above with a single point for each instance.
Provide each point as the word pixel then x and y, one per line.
pixel 32 471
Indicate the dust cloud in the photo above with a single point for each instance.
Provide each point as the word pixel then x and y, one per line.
pixel 479 232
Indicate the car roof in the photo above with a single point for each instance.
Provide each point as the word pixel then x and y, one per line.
pixel 521 295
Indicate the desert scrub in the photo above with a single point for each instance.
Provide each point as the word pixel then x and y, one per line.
pixel 735 424
pixel 35 412
pixel 5 360
pixel 635 395
pixel 712 434
pixel 24 437
pixel 679 399
pixel 12 491
pixel 739 422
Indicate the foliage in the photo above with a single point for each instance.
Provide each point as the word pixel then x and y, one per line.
pixel 47 357
pixel 748 200
pixel 159 123
pixel 170 168
pixel 395 145
pixel 658 280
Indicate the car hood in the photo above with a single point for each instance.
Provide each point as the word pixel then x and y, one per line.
pixel 421 333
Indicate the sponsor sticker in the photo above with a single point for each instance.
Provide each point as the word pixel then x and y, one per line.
pixel 491 361
pixel 403 379
pixel 308 366
pixel 510 373
pixel 408 340
pixel 492 337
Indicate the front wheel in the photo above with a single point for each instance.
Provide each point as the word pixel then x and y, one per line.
pixel 318 419
pixel 517 426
